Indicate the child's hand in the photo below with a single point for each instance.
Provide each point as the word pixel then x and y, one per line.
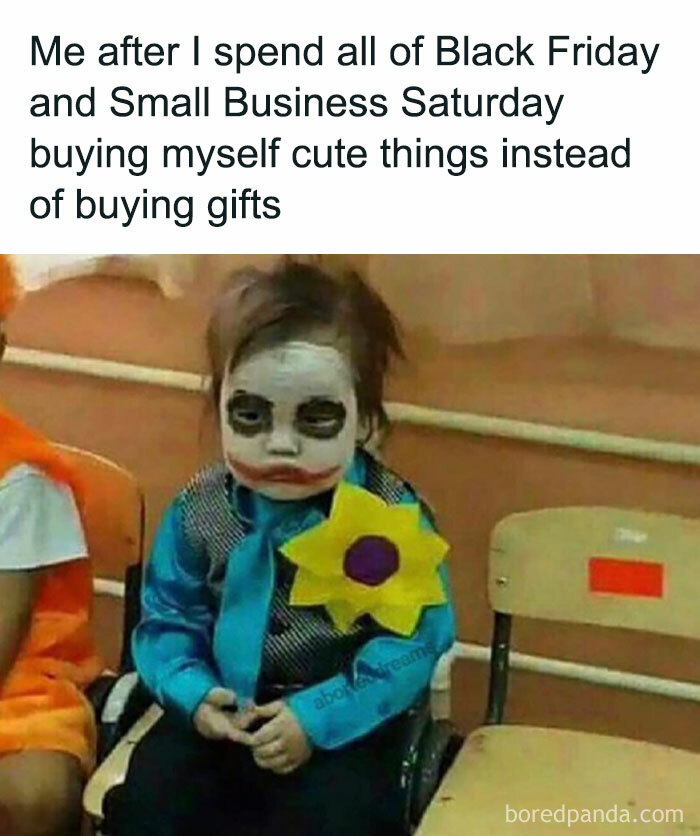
pixel 214 722
pixel 281 745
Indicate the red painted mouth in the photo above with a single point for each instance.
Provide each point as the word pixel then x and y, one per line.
pixel 281 473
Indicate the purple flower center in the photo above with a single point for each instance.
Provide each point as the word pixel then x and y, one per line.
pixel 371 560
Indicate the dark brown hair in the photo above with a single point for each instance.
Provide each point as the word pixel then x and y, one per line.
pixel 261 308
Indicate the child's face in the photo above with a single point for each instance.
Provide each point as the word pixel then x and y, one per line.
pixel 289 419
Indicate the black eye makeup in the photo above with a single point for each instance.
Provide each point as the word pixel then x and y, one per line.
pixel 249 414
pixel 320 418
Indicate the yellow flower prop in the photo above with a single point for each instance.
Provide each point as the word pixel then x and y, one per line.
pixel 370 558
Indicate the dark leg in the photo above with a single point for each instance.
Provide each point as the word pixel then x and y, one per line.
pixel 350 791
pixel 180 784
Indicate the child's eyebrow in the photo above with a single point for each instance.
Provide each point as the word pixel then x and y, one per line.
pixel 322 399
pixel 246 394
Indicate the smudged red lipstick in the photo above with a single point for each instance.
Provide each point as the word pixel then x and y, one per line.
pixel 287 474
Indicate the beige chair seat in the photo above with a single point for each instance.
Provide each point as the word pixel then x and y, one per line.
pixel 521 768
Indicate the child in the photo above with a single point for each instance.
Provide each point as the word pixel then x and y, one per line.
pixel 296 600
pixel 46 652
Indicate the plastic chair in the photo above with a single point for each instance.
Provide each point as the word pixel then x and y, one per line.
pixel 602 566
pixel 113 513
pixel 430 746
pixel 129 713
pixel 113 518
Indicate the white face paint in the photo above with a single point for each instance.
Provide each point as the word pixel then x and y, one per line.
pixel 289 420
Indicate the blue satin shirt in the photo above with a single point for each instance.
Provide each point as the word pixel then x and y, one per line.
pixel 185 645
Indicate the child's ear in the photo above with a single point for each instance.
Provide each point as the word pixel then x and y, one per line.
pixel 363 431
pixel 371 438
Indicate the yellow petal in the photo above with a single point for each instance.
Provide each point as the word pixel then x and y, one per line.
pixel 352 504
pixel 343 614
pixel 357 513
pixel 316 550
pixel 424 589
pixel 310 589
pixel 395 522
pixel 401 620
pixel 363 597
pixel 425 548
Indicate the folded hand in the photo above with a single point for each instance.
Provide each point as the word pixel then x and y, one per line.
pixel 280 744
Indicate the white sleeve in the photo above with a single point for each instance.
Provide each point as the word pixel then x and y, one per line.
pixel 39 521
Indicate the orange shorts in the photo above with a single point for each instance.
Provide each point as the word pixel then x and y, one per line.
pixel 38 711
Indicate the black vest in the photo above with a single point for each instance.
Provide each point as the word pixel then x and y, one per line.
pixel 301 646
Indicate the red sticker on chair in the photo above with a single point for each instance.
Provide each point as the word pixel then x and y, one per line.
pixel 626 577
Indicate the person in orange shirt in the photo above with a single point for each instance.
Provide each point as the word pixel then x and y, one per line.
pixel 47 733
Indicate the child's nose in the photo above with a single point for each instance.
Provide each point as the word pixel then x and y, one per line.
pixel 283 441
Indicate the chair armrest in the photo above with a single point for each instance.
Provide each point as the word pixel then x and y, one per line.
pixel 98 691
pixel 441 687
pixel 114 768
pixel 120 693
pixel 432 743
pixel 118 702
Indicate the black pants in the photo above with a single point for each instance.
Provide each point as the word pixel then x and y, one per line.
pixel 180 784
